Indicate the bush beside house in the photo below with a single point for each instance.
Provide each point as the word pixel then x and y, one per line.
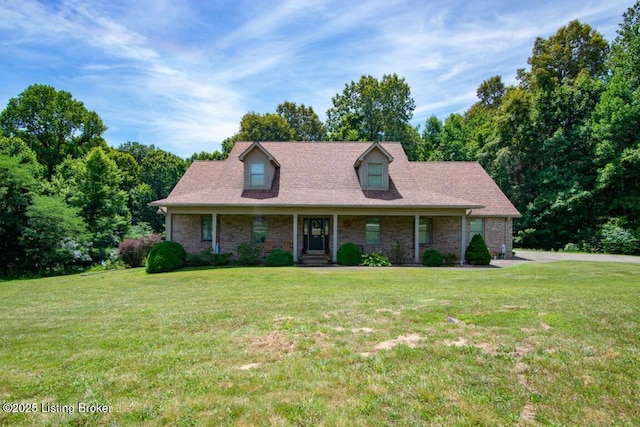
pixel 133 252
pixel 349 254
pixel 432 258
pixel 166 256
pixel 477 252
pixel 278 258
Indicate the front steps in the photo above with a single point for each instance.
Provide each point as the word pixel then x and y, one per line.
pixel 312 260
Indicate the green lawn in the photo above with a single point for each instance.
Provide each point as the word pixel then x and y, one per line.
pixel 533 344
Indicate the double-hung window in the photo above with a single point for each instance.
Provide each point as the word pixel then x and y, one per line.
pixel 425 231
pixel 374 175
pixel 206 232
pixel 476 226
pixel 256 175
pixel 372 236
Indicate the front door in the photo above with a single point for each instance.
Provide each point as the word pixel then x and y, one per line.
pixel 316 234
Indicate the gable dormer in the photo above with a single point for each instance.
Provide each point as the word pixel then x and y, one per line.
pixel 373 168
pixel 259 167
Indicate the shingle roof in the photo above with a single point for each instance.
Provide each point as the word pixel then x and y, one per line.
pixel 323 174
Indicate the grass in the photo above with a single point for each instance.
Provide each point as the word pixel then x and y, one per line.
pixel 534 344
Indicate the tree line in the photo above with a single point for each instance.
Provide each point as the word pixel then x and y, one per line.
pixel 563 144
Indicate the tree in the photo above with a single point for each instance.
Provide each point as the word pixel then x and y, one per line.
pixel 17 186
pixel 372 110
pixel 575 49
pixel 53 124
pixel 54 238
pixel 616 128
pixel 491 92
pixel 259 127
pixel 431 138
pixel 101 202
pixel 161 171
pixel 304 122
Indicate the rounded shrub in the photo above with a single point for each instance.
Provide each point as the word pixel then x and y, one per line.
pixel 349 254
pixel 278 258
pixel 477 252
pixel 166 256
pixel 432 258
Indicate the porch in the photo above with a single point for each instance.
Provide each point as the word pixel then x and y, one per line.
pixel 310 233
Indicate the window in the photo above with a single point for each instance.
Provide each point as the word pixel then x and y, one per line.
pixel 373 231
pixel 259 230
pixel 207 223
pixel 374 175
pixel 476 226
pixel 256 175
pixel 425 231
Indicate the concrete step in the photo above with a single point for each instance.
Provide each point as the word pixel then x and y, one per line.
pixel 315 260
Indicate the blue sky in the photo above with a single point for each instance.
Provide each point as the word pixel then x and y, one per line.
pixel 181 74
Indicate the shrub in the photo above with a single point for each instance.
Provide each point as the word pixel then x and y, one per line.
pixel 349 254
pixel 134 251
pixel 249 253
pixel 278 258
pixel 477 252
pixel 208 258
pixel 449 259
pixel 616 239
pixel 398 253
pixel 432 258
pixel 166 256
pixel 375 259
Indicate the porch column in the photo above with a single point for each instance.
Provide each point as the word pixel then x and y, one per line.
pixel 416 240
pixel 335 238
pixel 294 248
pixel 214 226
pixel 463 241
pixel 167 227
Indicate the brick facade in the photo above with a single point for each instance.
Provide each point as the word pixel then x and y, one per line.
pixel 187 230
pixel 232 230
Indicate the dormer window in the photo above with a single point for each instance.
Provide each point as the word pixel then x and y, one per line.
pixel 374 175
pixel 257 175
pixel 259 167
pixel 372 168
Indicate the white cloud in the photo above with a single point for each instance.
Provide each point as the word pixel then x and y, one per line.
pixel 180 75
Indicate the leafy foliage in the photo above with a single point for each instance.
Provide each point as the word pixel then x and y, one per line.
pixel 53 124
pixel 375 259
pixel 617 239
pixel 303 121
pixel 432 258
pixel 133 252
pixel 477 252
pixel 278 258
pixel 166 256
pixel 55 238
pixel 398 253
pixel 248 253
pixel 372 110
pixel 349 254
pixel 208 258
pixel 449 259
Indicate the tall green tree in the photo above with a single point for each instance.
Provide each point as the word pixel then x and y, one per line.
pixel 17 187
pixel 53 124
pixel 616 127
pixel 101 202
pixel 260 127
pixel 304 122
pixel 160 171
pixel 575 49
pixel 373 110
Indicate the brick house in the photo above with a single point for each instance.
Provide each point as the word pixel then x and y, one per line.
pixel 311 197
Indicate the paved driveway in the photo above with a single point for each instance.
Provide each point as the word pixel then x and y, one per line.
pixel 524 256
